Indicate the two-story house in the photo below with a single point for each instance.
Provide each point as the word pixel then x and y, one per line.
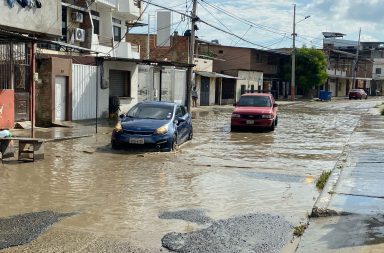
pixel 91 63
pixel 256 70
pixel 343 71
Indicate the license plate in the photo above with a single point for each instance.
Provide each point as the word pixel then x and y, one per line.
pixel 136 140
pixel 250 122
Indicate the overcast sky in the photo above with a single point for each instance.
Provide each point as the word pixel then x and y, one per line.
pixel 268 23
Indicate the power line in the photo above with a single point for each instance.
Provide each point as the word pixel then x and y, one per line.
pixel 255 25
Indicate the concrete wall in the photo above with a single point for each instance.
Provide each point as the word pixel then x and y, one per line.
pixel 125 103
pixel 248 78
pixel 177 52
pixel 45 21
pixel 7 112
pixel 203 65
pixel 48 69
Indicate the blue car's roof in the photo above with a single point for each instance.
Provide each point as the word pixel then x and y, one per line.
pixel 159 103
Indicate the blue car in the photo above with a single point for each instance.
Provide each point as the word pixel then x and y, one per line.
pixel 154 124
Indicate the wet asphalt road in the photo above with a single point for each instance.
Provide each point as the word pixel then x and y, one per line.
pixel 222 192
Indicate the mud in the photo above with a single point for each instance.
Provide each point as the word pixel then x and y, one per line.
pixel 248 233
pixel 23 228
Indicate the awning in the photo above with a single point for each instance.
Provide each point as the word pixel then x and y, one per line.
pixel 215 75
pixel 350 77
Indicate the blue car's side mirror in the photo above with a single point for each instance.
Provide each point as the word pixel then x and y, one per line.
pixel 180 119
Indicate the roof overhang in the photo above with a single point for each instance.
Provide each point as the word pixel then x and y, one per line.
pixel 215 75
pixel 150 62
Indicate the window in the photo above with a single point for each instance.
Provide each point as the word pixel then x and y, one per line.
pixel 116 29
pixel 64 22
pixel 378 71
pixel 179 112
pixel 242 89
pixel 116 33
pixel 96 26
pixel 221 51
pixel 259 58
pixel 183 110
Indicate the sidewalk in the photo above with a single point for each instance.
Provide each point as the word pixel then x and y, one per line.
pixel 67 130
pixel 353 198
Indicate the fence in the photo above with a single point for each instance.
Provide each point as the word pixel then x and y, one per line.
pixel 15 67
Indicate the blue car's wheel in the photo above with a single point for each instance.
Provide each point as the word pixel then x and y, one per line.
pixel 171 144
pixel 190 136
pixel 174 143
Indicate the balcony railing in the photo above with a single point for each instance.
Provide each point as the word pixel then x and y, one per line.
pixel 336 72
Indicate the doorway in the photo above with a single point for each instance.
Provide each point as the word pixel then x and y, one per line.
pixel 60 98
pixel 204 91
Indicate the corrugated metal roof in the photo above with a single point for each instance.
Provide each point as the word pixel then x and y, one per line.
pixel 215 75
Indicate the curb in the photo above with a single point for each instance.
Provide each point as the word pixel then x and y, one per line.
pixel 320 208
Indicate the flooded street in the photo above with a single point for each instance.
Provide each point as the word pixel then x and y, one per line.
pixel 260 183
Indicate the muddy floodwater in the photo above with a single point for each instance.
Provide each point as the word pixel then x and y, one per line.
pixel 122 200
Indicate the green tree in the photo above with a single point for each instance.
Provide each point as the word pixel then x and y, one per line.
pixel 311 69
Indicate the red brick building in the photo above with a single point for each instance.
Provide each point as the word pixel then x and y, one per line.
pixel 177 52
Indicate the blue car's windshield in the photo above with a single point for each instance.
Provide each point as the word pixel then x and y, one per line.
pixel 150 111
pixel 255 101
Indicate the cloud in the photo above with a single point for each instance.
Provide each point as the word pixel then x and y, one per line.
pixel 271 21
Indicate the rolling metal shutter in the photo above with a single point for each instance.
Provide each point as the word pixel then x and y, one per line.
pixel 117 83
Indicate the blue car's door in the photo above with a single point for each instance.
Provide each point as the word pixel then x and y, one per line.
pixel 182 124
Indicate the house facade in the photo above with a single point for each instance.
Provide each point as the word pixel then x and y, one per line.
pixel 21 27
pixel 211 86
pixel 344 73
pixel 91 64
pixel 255 70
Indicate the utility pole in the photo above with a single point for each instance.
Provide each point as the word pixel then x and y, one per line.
pixel 356 63
pixel 293 74
pixel 148 37
pixel 191 54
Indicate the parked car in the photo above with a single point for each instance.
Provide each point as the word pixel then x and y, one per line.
pixel 154 124
pixel 357 94
pixel 253 111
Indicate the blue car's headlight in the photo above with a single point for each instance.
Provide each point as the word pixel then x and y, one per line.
pixel 162 130
pixel 118 127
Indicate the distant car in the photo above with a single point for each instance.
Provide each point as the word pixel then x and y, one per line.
pixel 254 111
pixel 357 94
pixel 153 124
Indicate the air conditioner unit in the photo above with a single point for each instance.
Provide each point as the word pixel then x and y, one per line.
pixel 77 17
pixel 79 34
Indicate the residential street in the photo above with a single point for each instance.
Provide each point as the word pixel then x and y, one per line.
pixel 221 192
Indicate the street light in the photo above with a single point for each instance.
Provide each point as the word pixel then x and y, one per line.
pixel 293 75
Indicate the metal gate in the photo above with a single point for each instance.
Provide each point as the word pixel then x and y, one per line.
pixel 204 91
pixel 15 68
pixel 84 84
